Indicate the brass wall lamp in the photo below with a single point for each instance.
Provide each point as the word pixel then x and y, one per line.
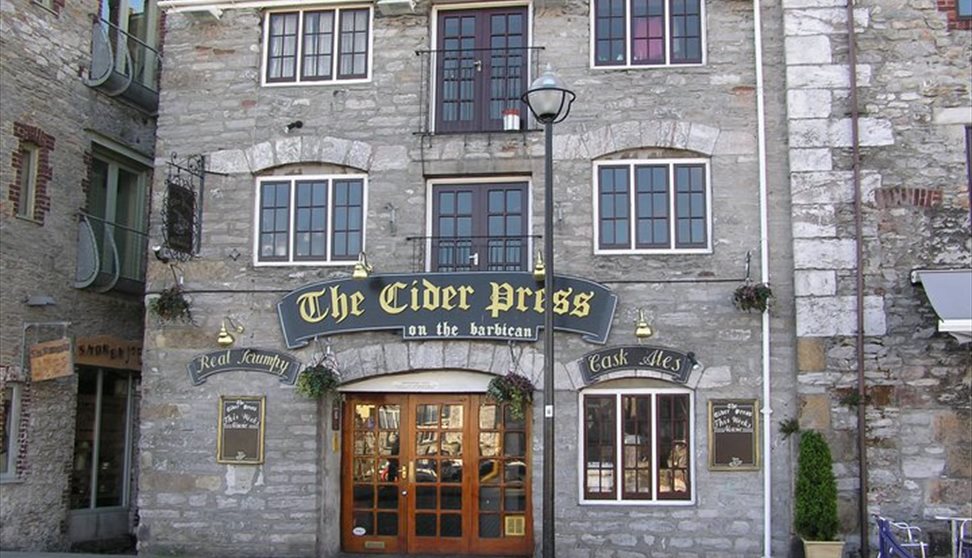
pixel 362 268
pixel 642 327
pixel 226 339
pixel 539 270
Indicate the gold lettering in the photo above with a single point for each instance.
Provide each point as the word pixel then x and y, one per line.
pixel 309 306
pixel 561 301
pixel 388 298
pixel 430 296
pixel 500 298
pixel 582 305
pixel 592 363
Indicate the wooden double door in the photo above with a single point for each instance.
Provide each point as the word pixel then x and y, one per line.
pixel 435 474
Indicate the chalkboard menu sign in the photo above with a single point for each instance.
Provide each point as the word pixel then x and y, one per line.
pixel 240 433
pixel 734 434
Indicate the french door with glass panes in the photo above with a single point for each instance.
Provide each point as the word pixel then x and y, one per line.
pixel 480 227
pixel 435 474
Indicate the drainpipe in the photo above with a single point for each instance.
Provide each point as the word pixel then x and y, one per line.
pixel 858 232
pixel 766 411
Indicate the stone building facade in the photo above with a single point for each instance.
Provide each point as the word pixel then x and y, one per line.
pixel 909 117
pixel 231 93
pixel 75 162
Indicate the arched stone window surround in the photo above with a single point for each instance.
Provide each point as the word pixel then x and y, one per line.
pixel 602 141
pixel 266 155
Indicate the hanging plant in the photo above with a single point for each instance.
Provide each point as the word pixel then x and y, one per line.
pixel 752 296
pixel 172 305
pixel 513 388
pixel 321 378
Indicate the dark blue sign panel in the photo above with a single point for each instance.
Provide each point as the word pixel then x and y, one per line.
pixel 281 365
pixel 489 305
pixel 674 364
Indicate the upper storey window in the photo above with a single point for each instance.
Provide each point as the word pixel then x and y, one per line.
pixel 634 33
pixel 652 205
pixel 315 46
pixel 310 219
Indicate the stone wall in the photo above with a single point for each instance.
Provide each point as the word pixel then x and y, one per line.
pixel 45 101
pixel 914 100
pixel 212 104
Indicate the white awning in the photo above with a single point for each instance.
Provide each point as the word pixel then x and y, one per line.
pixel 950 293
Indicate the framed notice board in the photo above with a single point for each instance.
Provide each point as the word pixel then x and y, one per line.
pixel 734 434
pixel 241 425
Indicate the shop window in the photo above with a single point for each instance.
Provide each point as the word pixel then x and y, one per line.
pixel 963 8
pixel 640 33
pixel 649 206
pixel 9 444
pixel 636 446
pixel 317 46
pixel 310 219
pixel 101 467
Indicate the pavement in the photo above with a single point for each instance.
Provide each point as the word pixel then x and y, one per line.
pixel 23 554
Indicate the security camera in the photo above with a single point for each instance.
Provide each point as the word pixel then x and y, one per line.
pixel 160 254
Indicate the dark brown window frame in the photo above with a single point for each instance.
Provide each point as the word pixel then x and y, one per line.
pixel 654 446
pixel 480 215
pixel 675 242
pixel 481 56
pixel 669 40
pixel 291 209
pixel 337 53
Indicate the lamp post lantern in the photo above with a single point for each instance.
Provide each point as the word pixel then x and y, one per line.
pixel 549 101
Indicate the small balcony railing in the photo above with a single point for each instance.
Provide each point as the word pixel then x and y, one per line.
pixel 472 253
pixel 124 65
pixel 476 89
pixel 110 256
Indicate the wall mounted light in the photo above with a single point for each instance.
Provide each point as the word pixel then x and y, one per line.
pixel 225 338
pixel 539 270
pixel 642 327
pixel 362 268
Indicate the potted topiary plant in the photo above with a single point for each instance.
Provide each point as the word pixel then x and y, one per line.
pixel 752 296
pixel 171 305
pixel 515 389
pixel 815 499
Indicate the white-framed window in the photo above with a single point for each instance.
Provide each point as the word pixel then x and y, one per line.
pixel 317 46
pixel 637 446
pixel 652 206
pixel 646 33
pixel 310 219
pixel 9 444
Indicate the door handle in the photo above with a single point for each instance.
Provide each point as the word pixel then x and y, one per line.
pixel 402 471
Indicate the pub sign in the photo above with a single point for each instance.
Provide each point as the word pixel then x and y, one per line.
pixel 490 305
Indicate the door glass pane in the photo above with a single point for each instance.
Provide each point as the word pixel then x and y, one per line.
pixel 451 470
pixel 84 440
pixel 112 439
pixel 489 526
pixel 489 499
pixel 388 497
pixel 364 520
pixel 425 497
pixel 426 470
pixel 387 524
pixel 452 443
pixel 425 524
pixel 451 525
pixel 451 497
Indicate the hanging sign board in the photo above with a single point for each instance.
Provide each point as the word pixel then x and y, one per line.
pixel 672 365
pixel 108 352
pixel 734 434
pixel 51 359
pixel 282 365
pixel 505 306
pixel 241 426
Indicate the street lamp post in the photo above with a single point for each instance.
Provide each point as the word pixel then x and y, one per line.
pixel 549 101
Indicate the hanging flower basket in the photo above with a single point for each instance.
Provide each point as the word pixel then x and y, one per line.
pixel 172 305
pixel 318 380
pixel 513 388
pixel 752 296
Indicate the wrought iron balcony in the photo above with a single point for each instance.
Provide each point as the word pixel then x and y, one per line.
pixel 476 89
pixel 123 65
pixel 472 253
pixel 111 256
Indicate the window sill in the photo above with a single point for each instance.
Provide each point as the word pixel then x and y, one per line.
pixel 10 479
pixel 30 220
pixel 637 503
pixel 658 252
